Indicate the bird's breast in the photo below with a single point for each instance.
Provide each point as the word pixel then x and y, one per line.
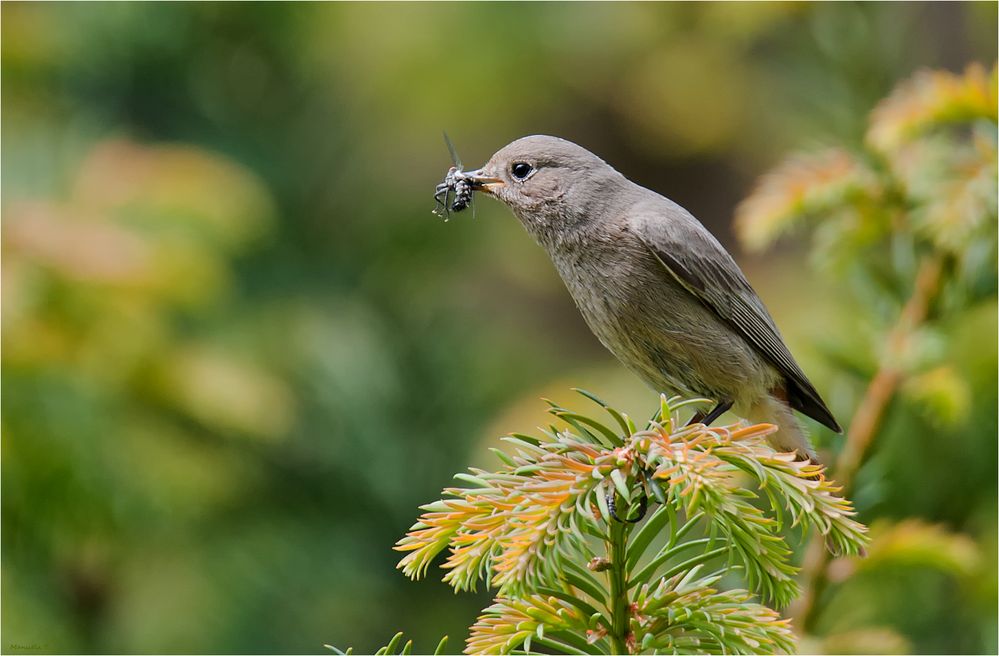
pixel 621 297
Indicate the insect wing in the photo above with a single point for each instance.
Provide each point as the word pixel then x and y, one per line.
pixel 454 154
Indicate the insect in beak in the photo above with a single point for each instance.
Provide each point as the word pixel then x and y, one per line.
pixel 455 193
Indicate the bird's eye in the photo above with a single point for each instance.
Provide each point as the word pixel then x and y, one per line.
pixel 521 170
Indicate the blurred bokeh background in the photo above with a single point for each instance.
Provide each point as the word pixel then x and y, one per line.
pixel 238 350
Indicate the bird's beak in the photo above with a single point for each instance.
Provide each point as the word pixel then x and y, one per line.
pixel 481 181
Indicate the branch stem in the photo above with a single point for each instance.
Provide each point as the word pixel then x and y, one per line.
pixel 619 604
pixel 866 423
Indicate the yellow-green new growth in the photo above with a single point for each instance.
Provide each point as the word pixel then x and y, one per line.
pixel 545 529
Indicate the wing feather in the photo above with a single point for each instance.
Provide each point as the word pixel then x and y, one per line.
pixel 695 258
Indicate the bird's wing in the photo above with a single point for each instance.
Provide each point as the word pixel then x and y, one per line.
pixel 702 266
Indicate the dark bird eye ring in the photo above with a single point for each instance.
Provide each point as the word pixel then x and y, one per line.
pixel 521 170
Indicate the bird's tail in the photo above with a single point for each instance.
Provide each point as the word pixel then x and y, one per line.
pixel 790 436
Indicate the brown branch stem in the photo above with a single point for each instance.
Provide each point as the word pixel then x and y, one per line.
pixel 865 424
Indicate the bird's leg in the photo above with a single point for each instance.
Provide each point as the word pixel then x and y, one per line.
pixel 697 418
pixel 701 418
pixel 717 411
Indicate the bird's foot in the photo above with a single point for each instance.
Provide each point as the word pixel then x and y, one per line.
pixel 643 506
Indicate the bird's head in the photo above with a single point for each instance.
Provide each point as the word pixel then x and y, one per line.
pixel 551 184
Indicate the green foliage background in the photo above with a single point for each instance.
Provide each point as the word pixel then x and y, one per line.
pixel 238 350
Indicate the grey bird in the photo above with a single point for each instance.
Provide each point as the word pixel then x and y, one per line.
pixel 655 287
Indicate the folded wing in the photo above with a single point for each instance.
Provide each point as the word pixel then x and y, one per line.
pixel 695 258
